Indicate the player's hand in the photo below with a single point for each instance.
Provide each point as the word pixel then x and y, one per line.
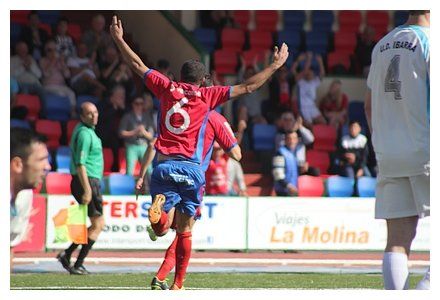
pixel 116 29
pixel 280 55
pixel 139 187
pixel 86 197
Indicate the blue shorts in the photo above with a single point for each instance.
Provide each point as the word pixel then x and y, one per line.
pixel 181 182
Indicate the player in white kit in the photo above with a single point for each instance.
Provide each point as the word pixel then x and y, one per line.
pixel 397 108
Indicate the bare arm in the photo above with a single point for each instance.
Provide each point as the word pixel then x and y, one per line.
pixel 367 108
pixel 321 66
pixel 82 175
pixel 235 153
pixel 256 81
pixel 132 59
pixel 148 158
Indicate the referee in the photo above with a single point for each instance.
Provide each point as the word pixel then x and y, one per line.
pixel 86 167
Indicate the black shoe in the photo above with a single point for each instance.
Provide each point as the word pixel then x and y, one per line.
pixel 64 260
pixel 156 284
pixel 79 270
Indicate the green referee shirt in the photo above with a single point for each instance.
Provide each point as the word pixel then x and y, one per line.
pixel 86 149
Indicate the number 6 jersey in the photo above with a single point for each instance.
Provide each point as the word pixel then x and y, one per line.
pixel 399 83
pixel 183 114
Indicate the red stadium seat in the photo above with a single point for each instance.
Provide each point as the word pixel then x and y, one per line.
pixel 379 20
pixel 338 58
pixel 50 129
pixel 318 159
pixel 250 56
pixel 266 20
pixel 349 20
pixel 32 103
pixel 232 39
pixel 108 160
pixel 242 18
pixel 225 62
pixel 325 137
pixel 260 40
pixel 20 16
pixel 74 30
pixel 58 183
pixel 345 42
pixel 70 127
pixel 310 186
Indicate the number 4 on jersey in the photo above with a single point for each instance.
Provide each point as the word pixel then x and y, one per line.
pixel 392 83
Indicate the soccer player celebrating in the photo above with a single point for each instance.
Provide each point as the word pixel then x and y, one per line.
pixel 397 108
pixel 217 129
pixel 178 180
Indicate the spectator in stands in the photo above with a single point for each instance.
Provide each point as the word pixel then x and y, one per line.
pixel 353 153
pixel 55 74
pixel 115 71
pixel 303 138
pixel 163 66
pixel 64 41
pixel 250 104
pixel 280 88
pixel 111 111
pixel 97 38
pixel 363 50
pixel 85 71
pixel 137 129
pixel 289 123
pixel 307 83
pixel 34 36
pixel 285 167
pixel 217 173
pixel 334 105
pixel 217 19
pixel 235 171
pixel 25 70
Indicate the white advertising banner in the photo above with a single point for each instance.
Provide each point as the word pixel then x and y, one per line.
pixel 127 219
pixel 320 224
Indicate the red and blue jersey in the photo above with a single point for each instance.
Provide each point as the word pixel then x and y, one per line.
pixel 183 114
pixel 219 130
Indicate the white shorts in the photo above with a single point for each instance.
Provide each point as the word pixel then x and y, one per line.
pixel 398 197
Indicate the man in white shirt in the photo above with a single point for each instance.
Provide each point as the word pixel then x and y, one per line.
pixel 28 165
pixel 397 108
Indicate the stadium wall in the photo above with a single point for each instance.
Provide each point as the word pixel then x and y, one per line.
pixel 248 223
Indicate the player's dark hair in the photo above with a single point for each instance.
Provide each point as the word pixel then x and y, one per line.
pixel 192 71
pixel 21 141
pixel 418 12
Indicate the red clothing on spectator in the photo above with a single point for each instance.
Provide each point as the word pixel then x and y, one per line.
pixel 217 177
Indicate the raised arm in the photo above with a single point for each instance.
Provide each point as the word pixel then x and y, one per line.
pixel 132 59
pixel 256 81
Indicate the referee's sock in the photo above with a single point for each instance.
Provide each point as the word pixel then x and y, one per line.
pixel 83 253
pixel 70 250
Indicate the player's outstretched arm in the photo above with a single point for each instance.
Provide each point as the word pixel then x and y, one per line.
pixel 133 60
pixel 256 81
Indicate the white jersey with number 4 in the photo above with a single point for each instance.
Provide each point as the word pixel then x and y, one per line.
pixel 399 83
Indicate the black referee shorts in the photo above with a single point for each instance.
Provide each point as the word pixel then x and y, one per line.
pixel 95 206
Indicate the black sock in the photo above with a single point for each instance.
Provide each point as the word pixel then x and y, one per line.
pixel 83 253
pixel 70 250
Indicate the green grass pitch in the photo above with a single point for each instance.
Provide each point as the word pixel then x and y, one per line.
pixel 204 281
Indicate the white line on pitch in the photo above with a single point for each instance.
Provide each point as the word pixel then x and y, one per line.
pixel 242 261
